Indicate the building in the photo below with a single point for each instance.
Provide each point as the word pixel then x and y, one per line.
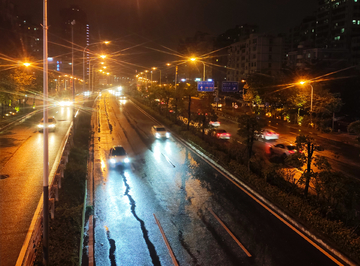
pixel 260 53
pixel 74 27
pixel 221 44
pixel 336 27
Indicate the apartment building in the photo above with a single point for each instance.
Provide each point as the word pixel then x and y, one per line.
pixel 260 53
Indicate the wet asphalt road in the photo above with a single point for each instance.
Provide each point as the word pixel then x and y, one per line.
pixel 169 180
pixel 342 157
pixel 21 171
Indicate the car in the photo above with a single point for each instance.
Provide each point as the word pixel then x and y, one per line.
pixel 160 132
pixel 220 134
pixel 118 156
pixel 267 134
pixel 214 123
pixel 283 149
pixel 65 102
pixel 51 124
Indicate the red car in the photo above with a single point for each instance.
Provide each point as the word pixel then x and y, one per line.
pixel 221 134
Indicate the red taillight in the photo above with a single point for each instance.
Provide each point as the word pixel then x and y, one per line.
pixel 218 134
pixel 292 151
pixel 268 134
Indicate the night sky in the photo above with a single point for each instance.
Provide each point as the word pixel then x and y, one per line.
pixel 166 21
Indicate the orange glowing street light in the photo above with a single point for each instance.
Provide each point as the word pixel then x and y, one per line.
pixel 196 59
pixel 103 56
pixel 26 64
pixel 302 82
pixel 106 42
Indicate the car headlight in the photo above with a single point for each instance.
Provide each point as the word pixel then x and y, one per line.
pixel 167 134
pixel 112 161
pixel 52 125
pixel 126 160
pixel 157 135
pixel 40 125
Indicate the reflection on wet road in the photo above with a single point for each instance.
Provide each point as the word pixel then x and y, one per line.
pixel 21 177
pixel 189 198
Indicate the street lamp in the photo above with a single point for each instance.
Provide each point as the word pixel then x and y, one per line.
pixel 26 64
pixel 105 42
pixel 101 56
pixel 311 99
pixel 154 68
pixel 195 59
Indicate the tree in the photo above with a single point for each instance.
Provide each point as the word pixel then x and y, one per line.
pixel 248 124
pixel 354 127
pixel 23 82
pixel 306 145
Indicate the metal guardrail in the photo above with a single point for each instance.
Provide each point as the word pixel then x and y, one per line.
pixel 19 120
pixel 33 237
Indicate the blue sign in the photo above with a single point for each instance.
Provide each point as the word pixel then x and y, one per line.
pixel 205 86
pixel 230 86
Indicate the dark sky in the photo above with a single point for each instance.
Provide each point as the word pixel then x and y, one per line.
pixel 166 21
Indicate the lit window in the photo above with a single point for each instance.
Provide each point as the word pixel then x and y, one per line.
pixel 354 21
pixel 337 38
pixel 342 30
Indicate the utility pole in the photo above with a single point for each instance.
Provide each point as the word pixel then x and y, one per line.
pixel 72 71
pixel 46 142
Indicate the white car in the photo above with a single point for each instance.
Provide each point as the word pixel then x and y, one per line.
pixel 118 156
pixel 214 123
pixel 267 134
pixel 160 132
pixel 51 124
pixel 283 149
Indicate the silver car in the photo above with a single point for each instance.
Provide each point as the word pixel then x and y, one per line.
pixel 160 132
pixel 118 156
pixel 283 149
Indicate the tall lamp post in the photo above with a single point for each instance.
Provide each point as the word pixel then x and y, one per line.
pixel 154 68
pixel 84 78
pixel 101 56
pixel 195 59
pixel 46 141
pixel 311 98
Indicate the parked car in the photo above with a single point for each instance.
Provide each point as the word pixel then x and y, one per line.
pixel 51 124
pixel 160 132
pixel 283 149
pixel 118 156
pixel 214 123
pixel 220 134
pixel 267 134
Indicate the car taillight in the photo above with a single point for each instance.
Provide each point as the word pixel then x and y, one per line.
pixel 267 134
pixel 218 134
pixel 292 151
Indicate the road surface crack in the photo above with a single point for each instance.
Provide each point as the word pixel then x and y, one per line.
pixel 150 245
pixel 112 249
